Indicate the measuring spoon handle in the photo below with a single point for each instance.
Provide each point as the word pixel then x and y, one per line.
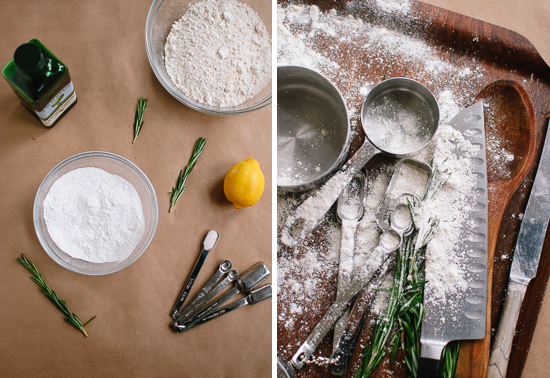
pixel 297 225
pixel 199 302
pixel 318 334
pixel 189 284
pixel 253 297
pixel 224 267
pixel 345 269
pixel 346 345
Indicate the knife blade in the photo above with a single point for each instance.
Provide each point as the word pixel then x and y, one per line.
pixel 524 264
pixel 466 318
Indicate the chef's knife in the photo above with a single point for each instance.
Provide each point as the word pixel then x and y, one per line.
pixel 463 315
pixel 525 263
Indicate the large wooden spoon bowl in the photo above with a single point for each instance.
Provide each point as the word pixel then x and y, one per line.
pixel 510 132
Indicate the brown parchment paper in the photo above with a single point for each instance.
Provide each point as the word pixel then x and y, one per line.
pixel 102 43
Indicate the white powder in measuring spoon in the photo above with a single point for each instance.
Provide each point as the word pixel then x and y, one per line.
pixel 211 240
pixel 219 53
pixel 94 215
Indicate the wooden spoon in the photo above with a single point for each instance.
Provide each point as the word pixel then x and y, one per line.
pixel 510 136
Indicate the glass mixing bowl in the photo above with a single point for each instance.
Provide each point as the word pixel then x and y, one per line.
pixel 111 163
pixel 162 15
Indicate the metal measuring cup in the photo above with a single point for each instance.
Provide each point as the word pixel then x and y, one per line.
pixel 399 117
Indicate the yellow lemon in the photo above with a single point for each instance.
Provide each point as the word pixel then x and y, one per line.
pixel 244 183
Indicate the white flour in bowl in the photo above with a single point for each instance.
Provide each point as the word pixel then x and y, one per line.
pixel 219 53
pixel 94 215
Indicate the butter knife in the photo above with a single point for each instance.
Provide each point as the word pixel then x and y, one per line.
pixel 524 264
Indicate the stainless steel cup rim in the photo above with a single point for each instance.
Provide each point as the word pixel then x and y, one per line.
pixel 326 173
pixel 401 84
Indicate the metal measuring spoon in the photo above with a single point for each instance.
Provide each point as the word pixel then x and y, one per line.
pixel 199 302
pixel 383 217
pixel 406 105
pixel 244 284
pixel 208 244
pixel 253 297
pixel 389 242
pixel 349 209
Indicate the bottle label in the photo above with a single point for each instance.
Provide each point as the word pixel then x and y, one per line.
pixel 61 101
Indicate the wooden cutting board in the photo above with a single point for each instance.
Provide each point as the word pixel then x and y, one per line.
pixel 503 55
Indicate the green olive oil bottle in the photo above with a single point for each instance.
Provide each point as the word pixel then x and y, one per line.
pixel 41 82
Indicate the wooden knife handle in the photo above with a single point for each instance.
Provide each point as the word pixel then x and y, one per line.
pixel 500 351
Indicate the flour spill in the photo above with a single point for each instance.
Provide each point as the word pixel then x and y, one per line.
pixel 318 40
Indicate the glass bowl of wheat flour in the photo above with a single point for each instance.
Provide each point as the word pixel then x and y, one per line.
pixel 95 213
pixel 212 55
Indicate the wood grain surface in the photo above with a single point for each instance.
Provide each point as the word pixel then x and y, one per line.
pixel 503 55
pixel 512 114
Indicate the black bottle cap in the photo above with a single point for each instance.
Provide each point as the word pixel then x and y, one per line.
pixel 29 58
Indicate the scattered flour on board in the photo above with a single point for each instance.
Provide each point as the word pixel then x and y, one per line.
pixel 219 53
pixel 303 261
pixel 391 6
pixel 315 39
pixel 451 205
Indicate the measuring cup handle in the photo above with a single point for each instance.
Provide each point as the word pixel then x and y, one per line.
pixel 297 226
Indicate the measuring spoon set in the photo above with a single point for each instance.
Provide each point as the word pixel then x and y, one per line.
pixel 204 306
pixel 349 289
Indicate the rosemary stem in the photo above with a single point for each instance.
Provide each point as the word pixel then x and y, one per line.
pixel 405 307
pixel 178 190
pixel 138 119
pixel 37 278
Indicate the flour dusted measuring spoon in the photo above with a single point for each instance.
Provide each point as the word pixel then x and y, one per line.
pixel 399 117
pixel 349 209
pixel 389 242
pixel 406 190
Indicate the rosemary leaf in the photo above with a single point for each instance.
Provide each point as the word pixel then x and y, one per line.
pixel 37 278
pixel 184 173
pixel 138 120
pixel 450 359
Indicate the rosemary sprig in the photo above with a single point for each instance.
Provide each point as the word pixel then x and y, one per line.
pixel 405 307
pixel 450 359
pixel 184 174
pixel 138 120
pixel 437 181
pixel 411 316
pixel 384 327
pixel 37 278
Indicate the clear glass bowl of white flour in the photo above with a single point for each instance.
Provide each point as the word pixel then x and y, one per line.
pixel 114 187
pixel 238 75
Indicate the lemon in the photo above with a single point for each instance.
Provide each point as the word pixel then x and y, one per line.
pixel 244 183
